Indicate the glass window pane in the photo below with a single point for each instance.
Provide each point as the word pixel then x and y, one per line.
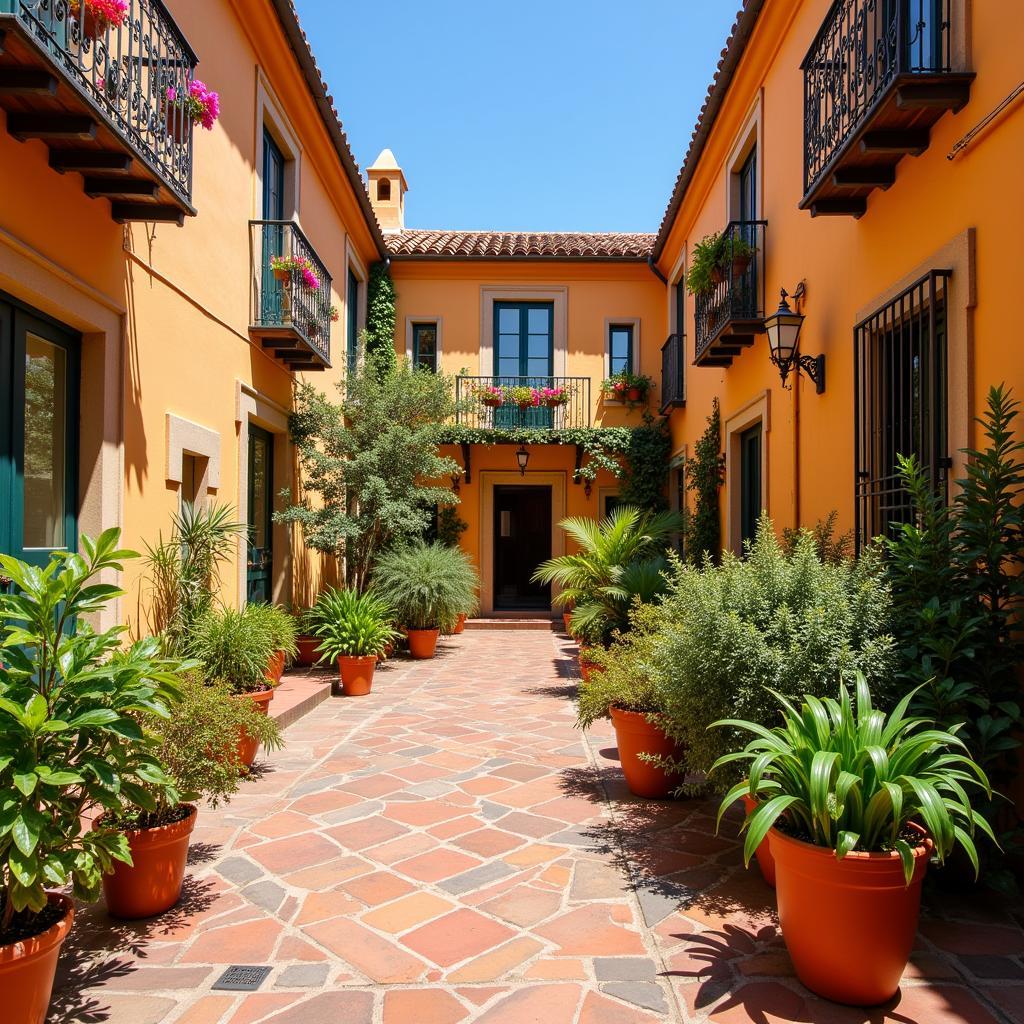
pixel 539 346
pixel 508 320
pixel 539 321
pixel 538 367
pixel 45 462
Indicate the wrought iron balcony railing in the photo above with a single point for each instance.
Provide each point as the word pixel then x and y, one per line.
pixel 732 312
pixel 508 402
pixel 123 73
pixel 291 307
pixel 673 355
pixel 878 74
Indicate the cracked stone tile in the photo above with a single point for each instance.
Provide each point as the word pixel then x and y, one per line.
pixel 647 994
pixel 475 878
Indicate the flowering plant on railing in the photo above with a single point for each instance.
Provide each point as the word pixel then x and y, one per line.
pixel 524 397
pixel 553 397
pixel 628 387
pixel 201 105
pixel 334 314
pixel 490 395
pixel 286 267
pixel 100 15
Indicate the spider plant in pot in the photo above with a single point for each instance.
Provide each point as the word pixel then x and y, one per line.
pixel 283 632
pixel 199 752
pixel 854 803
pixel 354 630
pixel 70 745
pixel 236 647
pixel 425 584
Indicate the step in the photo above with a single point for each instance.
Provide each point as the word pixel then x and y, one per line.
pixel 513 623
pixel 300 690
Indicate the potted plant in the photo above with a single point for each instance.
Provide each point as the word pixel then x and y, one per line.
pixel 283 635
pixel 426 585
pixel 524 397
pixel 737 253
pixel 705 270
pixel 199 753
pixel 491 395
pixel 100 15
pixel 552 398
pixel 197 105
pixel 69 745
pixel 236 647
pixel 306 642
pixel 854 803
pixel 354 630
pixel 621 688
pixel 287 268
pixel 628 387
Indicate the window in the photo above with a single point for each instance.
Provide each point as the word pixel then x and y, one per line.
pixel 900 384
pixel 352 323
pixel 620 349
pixel 680 290
pixel 750 482
pixel 424 346
pixel 384 189
pixel 611 503
pixel 746 179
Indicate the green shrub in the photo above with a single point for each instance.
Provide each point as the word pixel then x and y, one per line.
pixel 704 475
pixel 280 624
pixel 427 585
pixel 792 623
pixel 352 624
pixel 234 646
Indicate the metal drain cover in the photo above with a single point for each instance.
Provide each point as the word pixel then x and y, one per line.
pixel 240 978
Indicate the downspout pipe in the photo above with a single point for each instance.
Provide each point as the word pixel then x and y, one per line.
pixel 653 268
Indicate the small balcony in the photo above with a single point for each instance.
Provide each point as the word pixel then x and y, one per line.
pixel 291 296
pixel 95 94
pixel 673 392
pixel 731 313
pixel 554 403
pixel 876 78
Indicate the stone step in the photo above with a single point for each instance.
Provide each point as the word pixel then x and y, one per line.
pixel 513 623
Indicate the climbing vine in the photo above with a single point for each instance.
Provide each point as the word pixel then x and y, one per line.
pixel 704 476
pixel 379 336
pixel 645 469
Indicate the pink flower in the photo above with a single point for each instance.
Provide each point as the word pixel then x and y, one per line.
pixel 172 94
pixel 310 279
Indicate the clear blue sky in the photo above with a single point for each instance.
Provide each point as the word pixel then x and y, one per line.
pixel 558 115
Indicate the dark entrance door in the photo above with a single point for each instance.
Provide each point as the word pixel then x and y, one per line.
pixel 522 540
pixel 261 536
pixel 750 482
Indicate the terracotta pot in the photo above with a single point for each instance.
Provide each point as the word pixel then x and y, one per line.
pixel 849 924
pixel 151 884
pixel 248 745
pixel 284 276
pixel 492 403
pixel 422 642
pixel 765 860
pixel 586 668
pixel 307 654
pixel 460 624
pixel 740 264
pixel 566 618
pixel 93 25
pixel 356 674
pixel 27 969
pixel 177 125
pixel 634 736
pixel 634 395
pixel 275 667
pixel 717 274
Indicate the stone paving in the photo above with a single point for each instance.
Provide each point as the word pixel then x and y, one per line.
pixel 450 849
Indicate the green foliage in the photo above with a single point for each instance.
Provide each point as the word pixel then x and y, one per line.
pixel 351 624
pixel 853 780
pixel 279 624
pixel 70 741
pixel 366 459
pixel 645 471
pixel 621 559
pixel 706 256
pixel 428 585
pixel 234 646
pixel 450 526
pixel 379 336
pixel 519 396
pixel 624 381
pixel 704 475
pixel 830 547
pixel 791 623
pixel 184 570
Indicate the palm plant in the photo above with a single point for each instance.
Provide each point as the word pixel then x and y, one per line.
pixel 351 624
pixel 854 779
pixel 425 584
pixel 621 560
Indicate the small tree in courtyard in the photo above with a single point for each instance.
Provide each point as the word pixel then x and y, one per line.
pixel 365 458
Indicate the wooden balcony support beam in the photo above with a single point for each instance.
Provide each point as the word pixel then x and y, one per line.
pixel 150 213
pixel 51 126
pixel 27 82
pixel 895 140
pixel 933 95
pixel 82 160
pixel 135 188
pixel 855 208
pixel 882 177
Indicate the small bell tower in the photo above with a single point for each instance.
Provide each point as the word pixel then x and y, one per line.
pixel 387 191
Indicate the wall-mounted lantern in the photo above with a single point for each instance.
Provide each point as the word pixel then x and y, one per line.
pixel 523 458
pixel 456 483
pixel 783 328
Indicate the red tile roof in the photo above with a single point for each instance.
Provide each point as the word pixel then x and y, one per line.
pixel 502 245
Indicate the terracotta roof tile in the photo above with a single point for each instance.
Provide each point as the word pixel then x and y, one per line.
pixel 571 245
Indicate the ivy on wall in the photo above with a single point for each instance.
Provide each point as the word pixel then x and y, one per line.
pixel 645 468
pixel 379 336
pixel 704 476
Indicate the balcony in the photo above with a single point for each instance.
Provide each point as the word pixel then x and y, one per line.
pixel 876 78
pixel 730 315
pixel 95 95
pixel 492 402
pixel 291 307
pixel 673 392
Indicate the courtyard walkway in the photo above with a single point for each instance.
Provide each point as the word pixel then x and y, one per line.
pixel 450 849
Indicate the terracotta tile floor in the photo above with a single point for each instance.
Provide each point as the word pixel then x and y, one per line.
pixel 449 849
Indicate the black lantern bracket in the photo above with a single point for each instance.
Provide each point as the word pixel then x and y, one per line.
pixel 813 366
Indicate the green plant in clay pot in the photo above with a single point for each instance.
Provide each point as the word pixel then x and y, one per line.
pixel 283 631
pixel 70 745
pixel 354 630
pixel 736 255
pixel 705 269
pixel 524 397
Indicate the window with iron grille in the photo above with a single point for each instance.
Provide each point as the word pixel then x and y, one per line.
pixel 900 387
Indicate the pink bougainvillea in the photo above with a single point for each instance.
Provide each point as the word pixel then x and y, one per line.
pixel 104 12
pixel 201 104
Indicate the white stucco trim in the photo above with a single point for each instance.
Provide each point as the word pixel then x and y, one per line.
pixel 270 114
pixel 187 438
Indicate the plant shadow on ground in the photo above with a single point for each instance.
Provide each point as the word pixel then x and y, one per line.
pixel 102 949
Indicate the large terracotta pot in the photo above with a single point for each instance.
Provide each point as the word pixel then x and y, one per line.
pixel 151 884
pixel 27 969
pixel 634 736
pixel 307 654
pixel 765 860
pixel 587 667
pixel 566 618
pixel 849 924
pixel 422 642
pixel 634 395
pixel 249 745
pixel 275 667
pixel 356 674
pixel 460 623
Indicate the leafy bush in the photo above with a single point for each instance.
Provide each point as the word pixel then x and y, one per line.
pixel 280 625
pixel 621 559
pixel 853 780
pixel 645 466
pixel 830 546
pixel 234 646
pixel 70 742
pixel 450 526
pixel 427 585
pixel 792 623
pixel 353 624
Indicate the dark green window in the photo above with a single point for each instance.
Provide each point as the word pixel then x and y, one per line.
pixel 424 346
pixel 260 568
pixel 523 357
pixel 352 334
pixel 681 307
pixel 748 187
pixel 39 375
pixel 620 348
pixel 750 481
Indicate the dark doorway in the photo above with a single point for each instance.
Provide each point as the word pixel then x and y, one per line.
pixel 522 540
pixel 261 536
pixel 750 482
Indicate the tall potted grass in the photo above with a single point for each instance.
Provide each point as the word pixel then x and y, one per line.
pixel 354 630
pixel 854 803
pixel 283 632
